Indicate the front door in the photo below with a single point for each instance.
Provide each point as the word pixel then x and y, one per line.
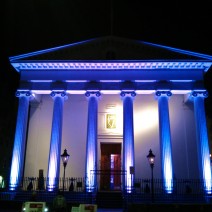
pixel 110 174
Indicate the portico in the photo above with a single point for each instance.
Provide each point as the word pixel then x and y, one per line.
pixel 156 102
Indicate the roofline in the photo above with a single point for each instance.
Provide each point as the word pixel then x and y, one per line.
pixel 204 56
pixel 185 52
pixel 13 58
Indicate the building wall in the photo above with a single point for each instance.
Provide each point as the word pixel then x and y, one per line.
pixel 146 134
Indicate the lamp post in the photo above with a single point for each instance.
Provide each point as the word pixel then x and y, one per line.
pixel 65 156
pixel 151 159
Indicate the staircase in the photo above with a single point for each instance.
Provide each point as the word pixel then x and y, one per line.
pixel 109 199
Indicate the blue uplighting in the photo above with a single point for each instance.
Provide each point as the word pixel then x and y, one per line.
pixel 19 143
pixel 91 145
pixel 202 141
pixel 128 139
pixel 55 144
pixel 165 141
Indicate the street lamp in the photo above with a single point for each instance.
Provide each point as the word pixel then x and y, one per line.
pixel 151 159
pixel 65 156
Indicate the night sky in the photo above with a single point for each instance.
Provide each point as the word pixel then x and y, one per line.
pixel 31 25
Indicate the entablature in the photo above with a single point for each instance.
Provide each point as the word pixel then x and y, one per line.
pixel 141 87
pixel 117 65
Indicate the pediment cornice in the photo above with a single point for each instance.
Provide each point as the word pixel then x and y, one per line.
pixel 135 65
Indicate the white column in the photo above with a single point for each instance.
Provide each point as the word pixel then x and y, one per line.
pixel 128 140
pixel 16 173
pixel 56 140
pixel 91 145
pixel 165 139
pixel 202 139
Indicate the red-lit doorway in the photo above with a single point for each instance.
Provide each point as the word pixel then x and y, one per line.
pixel 110 175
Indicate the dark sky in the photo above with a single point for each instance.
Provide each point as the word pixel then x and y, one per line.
pixel 31 25
pixel 38 24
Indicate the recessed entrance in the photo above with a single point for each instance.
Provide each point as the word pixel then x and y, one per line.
pixel 110 175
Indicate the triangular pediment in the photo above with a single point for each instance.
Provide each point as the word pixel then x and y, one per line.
pixel 107 62
pixel 111 48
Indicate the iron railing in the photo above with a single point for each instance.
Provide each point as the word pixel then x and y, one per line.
pixel 70 184
pixel 184 190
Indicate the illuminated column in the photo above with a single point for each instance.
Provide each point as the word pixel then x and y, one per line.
pixel 128 139
pixel 18 156
pixel 202 138
pixel 56 140
pixel 91 145
pixel 165 139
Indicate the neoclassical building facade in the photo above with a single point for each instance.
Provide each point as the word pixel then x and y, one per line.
pixel 108 101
